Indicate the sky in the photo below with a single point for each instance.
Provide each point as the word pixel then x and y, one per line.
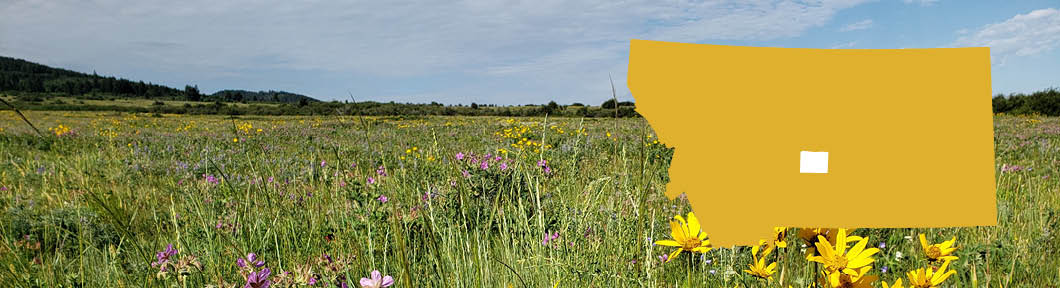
pixel 493 52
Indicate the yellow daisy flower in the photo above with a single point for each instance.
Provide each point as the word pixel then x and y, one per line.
pixel 810 237
pixel 897 284
pixel 687 236
pixel 838 279
pixel 928 277
pixel 941 251
pixel 759 268
pixel 780 239
pixel 842 260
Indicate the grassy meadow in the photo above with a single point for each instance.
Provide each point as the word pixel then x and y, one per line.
pixel 322 201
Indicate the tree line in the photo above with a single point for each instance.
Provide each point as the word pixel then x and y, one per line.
pixel 1045 102
pixel 609 108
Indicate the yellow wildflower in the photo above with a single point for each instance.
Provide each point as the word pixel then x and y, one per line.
pixel 841 260
pixel 941 251
pixel 687 236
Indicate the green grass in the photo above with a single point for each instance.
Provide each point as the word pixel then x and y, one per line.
pixel 104 199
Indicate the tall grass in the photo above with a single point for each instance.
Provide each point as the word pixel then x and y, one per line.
pixel 102 200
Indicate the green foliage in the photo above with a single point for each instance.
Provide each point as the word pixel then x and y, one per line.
pixel 1045 102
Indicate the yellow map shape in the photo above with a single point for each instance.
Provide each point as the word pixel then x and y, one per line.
pixel 909 135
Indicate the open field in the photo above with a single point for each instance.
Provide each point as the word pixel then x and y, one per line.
pixel 435 201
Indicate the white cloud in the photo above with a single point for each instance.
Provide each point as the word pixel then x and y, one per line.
pixel 567 46
pixel 860 25
pixel 844 45
pixel 1023 35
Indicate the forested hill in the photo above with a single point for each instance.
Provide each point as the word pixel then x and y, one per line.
pixel 260 96
pixel 19 76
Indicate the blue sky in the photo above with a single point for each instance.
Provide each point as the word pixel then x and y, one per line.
pixel 513 52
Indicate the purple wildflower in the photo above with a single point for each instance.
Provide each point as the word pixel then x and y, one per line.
pixel 371 180
pixel 377 280
pixel 549 238
pixel 382 199
pixel 163 257
pixel 882 245
pixel 251 259
pixel 1011 168
pixel 883 269
pixel 664 257
pixel 466 174
pixel 3 188
pixel 504 166
pixel 270 179
pixel 210 179
pixel 259 279
pixel 381 171
pixel 323 163
pixel 484 165
pixel 460 156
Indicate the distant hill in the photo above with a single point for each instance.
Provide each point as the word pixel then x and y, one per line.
pixel 19 76
pixel 260 96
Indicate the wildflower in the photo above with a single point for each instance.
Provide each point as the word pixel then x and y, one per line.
pixel 382 199
pixel 840 261
pixel 780 237
pixel 460 156
pixel 664 257
pixel 163 257
pixel 381 171
pixel 687 236
pixel 942 251
pixel 252 259
pixel 759 268
pixel 259 279
pixel 883 269
pixel 323 163
pixel 549 238
pixel 3 188
pixel 371 180
pixel 504 166
pixel 210 179
pixel 810 237
pixel 882 245
pixel 377 280
pixel 1011 168
pixel 484 165
pixel 928 277
pixel 466 174
pixel 857 280
pixel 897 284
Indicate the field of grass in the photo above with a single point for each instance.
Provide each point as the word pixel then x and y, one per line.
pixel 432 202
